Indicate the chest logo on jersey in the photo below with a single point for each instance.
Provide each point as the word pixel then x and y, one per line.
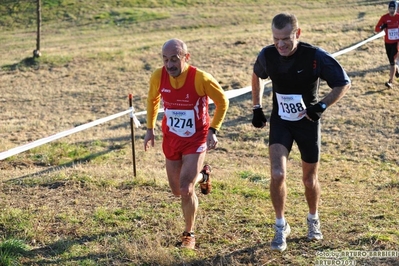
pixel 166 90
pixel 178 113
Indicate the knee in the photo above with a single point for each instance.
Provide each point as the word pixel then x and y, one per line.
pixel 186 192
pixel 277 176
pixel 310 182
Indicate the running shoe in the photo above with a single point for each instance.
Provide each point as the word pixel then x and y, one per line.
pixel 397 71
pixel 188 240
pixel 205 184
pixel 314 232
pixel 279 242
pixel 389 85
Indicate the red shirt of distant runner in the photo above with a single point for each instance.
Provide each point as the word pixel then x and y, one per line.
pixel 392 29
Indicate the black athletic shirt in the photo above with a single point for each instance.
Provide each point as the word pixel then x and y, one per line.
pixel 299 73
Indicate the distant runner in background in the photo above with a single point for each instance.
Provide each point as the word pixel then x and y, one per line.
pixel 188 131
pixel 390 24
pixel 295 69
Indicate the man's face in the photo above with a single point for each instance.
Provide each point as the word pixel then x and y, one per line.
pixel 285 40
pixel 392 11
pixel 173 61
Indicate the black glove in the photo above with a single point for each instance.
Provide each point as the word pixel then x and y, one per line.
pixel 383 26
pixel 259 117
pixel 315 111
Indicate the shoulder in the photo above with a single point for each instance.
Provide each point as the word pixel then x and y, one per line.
pixel 268 49
pixel 306 45
pixel 157 71
pixel 156 76
pixel 319 52
pixel 203 75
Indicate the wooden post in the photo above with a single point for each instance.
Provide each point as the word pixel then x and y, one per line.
pixel 36 53
pixel 132 134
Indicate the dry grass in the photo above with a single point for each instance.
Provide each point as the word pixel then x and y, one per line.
pixel 75 202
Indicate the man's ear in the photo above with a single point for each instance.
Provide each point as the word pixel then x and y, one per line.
pixel 298 33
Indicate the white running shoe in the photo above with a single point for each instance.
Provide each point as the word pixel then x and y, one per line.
pixel 279 242
pixel 314 232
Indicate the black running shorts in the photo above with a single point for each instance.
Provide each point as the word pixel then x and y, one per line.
pixel 305 133
pixel 391 50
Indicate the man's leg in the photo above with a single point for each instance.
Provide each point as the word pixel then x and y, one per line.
pixel 183 175
pixel 278 191
pixel 278 166
pixel 312 185
pixel 189 177
pixel 173 169
pixel 392 70
pixel 312 194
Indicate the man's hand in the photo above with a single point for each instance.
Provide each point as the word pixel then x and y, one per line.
pixel 258 120
pixel 314 112
pixel 149 138
pixel 211 140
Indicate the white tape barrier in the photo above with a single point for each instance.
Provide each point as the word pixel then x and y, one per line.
pixel 39 142
pixel 353 47
pixel 238 92
pixel 230 94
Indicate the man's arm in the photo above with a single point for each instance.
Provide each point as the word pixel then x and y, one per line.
pixel 257 90
pixel 258 120
pixel 381 25
pixel 206 84
pixel 336 94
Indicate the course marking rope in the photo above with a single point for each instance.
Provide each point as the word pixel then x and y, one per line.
pixel 65 133
pixel 230 94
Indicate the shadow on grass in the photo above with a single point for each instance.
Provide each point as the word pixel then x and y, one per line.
pixel 46 255
pixel 57 248
pixel 29 62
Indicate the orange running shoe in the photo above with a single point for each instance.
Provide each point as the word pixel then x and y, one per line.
pixel 205 184
pixel 188 240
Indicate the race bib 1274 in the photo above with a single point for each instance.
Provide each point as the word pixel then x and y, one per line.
pixel 181 122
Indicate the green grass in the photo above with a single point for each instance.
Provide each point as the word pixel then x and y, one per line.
pixel 75 201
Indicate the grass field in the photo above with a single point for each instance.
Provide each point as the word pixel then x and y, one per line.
pixel 75 201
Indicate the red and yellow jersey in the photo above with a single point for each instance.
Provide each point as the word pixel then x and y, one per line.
pixel 185 100
pixel 392 29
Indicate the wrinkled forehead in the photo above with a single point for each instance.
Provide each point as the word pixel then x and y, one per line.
pixel 172 49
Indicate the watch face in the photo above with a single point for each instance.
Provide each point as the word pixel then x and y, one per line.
pixel 323 105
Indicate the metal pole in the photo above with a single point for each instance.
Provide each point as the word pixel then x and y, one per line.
pixel 132 135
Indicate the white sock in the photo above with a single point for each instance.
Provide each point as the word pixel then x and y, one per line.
pixel 280 222
pixel 313 216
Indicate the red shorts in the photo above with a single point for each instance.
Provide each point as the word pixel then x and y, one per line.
pixel 175 147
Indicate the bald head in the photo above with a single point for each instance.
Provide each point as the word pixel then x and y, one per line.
pixel 175 56
pixel 176 46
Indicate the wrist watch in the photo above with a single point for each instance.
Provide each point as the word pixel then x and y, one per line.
pixel 257 106
pixel 323 106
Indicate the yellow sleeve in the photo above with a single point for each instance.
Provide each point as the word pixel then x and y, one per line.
pixel 154 98
pixel 206 84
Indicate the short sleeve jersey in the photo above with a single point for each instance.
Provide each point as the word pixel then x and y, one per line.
pixel 299 75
